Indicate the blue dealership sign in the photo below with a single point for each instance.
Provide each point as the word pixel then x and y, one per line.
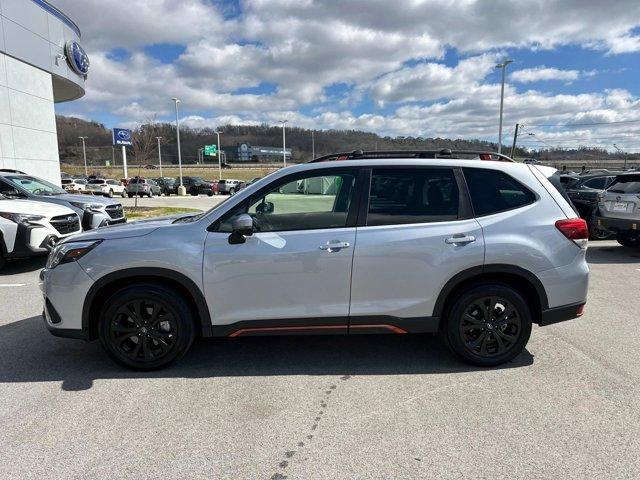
pixel 122 136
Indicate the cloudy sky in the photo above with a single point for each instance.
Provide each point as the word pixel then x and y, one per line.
pixel 406 67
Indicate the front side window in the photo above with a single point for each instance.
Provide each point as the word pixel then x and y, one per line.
pixel 420 195
pixel 493 191
pixel 314 202
pixel 597 183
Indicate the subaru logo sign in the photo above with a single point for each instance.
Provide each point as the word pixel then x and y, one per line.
pixel 122 136
pixel 77 58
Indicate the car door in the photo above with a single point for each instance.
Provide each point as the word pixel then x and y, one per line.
pixel 417 234
pixel 294 273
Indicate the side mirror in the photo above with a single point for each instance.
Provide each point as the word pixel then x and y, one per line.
pixel 13 193
pixel 265 207
pixel 241 227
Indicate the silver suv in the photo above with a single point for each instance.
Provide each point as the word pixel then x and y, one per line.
pixel 619 209
pixel 378 242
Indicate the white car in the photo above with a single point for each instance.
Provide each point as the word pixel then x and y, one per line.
pixel 29 228
pixel 368 242
pixel 72 185
pixel 107 187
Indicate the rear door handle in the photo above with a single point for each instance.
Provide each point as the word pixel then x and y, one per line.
pixel 460 239
pixel 334 246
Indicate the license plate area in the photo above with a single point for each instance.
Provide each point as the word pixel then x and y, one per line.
pixel 619 207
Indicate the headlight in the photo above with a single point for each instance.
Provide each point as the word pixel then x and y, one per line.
pixel 70 251
pixel 88 207
pixel 24 218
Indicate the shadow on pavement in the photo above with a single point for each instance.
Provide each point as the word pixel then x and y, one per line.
pixel 608 254
pixel 31 354
pixel 15 267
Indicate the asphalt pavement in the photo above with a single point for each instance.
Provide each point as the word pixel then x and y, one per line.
pixel 367 407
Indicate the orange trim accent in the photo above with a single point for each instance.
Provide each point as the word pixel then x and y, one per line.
pixel 393 328
pixel 242 331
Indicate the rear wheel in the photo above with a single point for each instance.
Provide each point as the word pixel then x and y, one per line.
pixel 596 232
pixel 232 191
pixel 110 194
pixel 488 325
pixel 130 195
pixel 3 261
pixel 123 194
pixel 146 326
pixel 627 239
pixel 150 193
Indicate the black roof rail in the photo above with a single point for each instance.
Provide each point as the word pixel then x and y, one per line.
pixel 382 154
pixel 11 170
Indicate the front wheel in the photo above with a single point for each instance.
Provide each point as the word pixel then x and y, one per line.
pixel 627 239
pixel 130 195
pixel 232 191
pixel 150 193
pixel 123 194
pixel 146 326
pixel 488 325
pixel 110 194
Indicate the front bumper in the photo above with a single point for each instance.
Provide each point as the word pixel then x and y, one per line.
pixel 561 314
pixel 618 224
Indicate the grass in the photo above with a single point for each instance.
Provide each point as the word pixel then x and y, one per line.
pixel 138 213
pixel 208 173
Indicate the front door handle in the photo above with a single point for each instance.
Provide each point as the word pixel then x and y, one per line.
pixel 334 246
pixel 460 239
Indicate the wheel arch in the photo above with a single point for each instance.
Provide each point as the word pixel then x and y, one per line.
pixel 524 281
pixel 102 289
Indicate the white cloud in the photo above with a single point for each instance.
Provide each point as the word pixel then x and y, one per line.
pixel 537 74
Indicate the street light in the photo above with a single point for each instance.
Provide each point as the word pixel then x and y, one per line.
pixel 181 190
pixel 313 145
pixel 159 155
pixel 219 156
pixel 84 154
pixel 284 151
pixel 624 155
pixel 503 66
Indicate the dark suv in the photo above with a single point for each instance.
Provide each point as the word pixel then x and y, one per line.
pixel 583 191
pixel 167 185
pixel 197 185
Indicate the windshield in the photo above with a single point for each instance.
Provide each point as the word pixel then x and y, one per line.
pixel 137 180
pixel 96 182
pixel 35 185
pixel 629 184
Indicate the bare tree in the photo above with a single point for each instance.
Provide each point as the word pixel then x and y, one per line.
pixel 144 141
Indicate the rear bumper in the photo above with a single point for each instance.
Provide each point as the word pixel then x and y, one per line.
pixel 561 314
pixel 618 224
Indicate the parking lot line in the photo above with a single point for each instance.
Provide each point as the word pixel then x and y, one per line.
pixel 13 284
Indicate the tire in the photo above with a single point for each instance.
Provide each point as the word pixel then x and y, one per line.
pixel 110 194
pixel 232 191
pixel 3 261
pixel 123 194
pixel 596 233
pixel 493 341
pixel 150 194
pixel 136 340
pixel 209 193
pixel 627 239
pixel 130 195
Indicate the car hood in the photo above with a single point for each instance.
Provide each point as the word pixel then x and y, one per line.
pixel 125 230
pixel 34 208
pixel 83 199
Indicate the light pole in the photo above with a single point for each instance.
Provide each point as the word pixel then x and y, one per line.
pixel 219 156
pixel 159 155
pixel 84 154
pixel 503 66
pixel 313 145
pixel 624 155
pixel 284 151
pixel 181 190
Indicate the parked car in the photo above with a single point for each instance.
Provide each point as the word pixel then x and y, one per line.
pixel 107 187
pixel 475 250
pixel 198 185
pixel 143 187
pixel 619 209
pixel 229 186
pixel 29 229
pixel 167 185
pixel 583 191
pixel 93 211
pixel 73 185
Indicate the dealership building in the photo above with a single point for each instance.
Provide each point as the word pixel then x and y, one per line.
pixel 41 63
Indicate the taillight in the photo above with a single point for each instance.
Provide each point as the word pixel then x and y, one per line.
pixel 485 156
pixel 574 229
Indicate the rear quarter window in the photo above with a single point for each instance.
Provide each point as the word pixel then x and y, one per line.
pixel 493 191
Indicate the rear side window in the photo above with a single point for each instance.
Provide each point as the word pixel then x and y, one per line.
pixel 597 183
pixel 493 191
pixel 626 184
pixel 421 195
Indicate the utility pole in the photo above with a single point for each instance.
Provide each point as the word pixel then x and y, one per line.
pixel 284 150
pixel 217 132
pixel 515 139
pixel 181 190
pixel 313 146
pixel 84 154
pixel 503 66
pixel 624 155
pixel 159 155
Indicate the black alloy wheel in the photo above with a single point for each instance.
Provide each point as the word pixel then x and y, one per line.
pixel 628 239
pixel 596 232
pixel 488 325
pixel 146 326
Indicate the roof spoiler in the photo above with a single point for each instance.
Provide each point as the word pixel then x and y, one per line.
pixel 379 154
